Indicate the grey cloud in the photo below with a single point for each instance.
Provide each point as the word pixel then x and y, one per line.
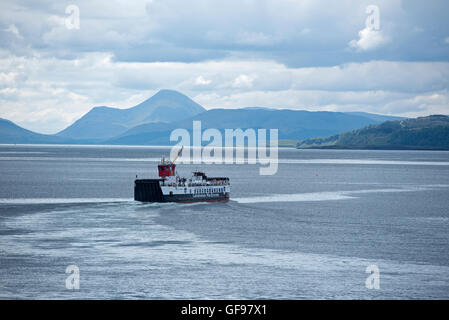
pixel 297 33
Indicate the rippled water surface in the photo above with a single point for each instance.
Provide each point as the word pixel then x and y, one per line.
pixel 310 231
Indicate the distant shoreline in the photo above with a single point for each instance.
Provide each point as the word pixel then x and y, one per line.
pixel 109 145
pixel 404 148
pixel 392 148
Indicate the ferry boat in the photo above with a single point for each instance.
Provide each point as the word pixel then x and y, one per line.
pixel 170 187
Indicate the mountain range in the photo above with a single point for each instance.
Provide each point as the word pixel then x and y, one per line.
pixel 152 121
pixel 292 125
pixel 430 133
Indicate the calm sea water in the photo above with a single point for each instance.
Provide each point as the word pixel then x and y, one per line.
pixel 310 231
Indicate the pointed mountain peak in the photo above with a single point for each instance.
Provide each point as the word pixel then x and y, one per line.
pixel 170 98
pixel 169 94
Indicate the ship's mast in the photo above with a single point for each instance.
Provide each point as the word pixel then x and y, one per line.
pixel 177 155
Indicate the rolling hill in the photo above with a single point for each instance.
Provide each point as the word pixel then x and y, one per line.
pixel 11 133
pixel 424 133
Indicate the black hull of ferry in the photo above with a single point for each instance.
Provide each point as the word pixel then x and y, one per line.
pixel 149 190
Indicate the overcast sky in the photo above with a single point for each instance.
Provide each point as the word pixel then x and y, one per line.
pixel 297 54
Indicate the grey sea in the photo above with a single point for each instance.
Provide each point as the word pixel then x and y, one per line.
pixel 308 232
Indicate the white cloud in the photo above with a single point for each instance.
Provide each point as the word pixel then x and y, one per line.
pixel 200 81
pixel 256 38
pixel 13 29
pixel 47 94
pixel 381 102
pixel 369 39
pixel 243 81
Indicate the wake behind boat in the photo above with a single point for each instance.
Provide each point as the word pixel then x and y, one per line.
pixel 170 187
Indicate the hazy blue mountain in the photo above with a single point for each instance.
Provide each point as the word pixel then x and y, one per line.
pixel 291 124
pixel 11 133
pixel 377 117
pixel 430 132
pixel 152 121
pixel 104 122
